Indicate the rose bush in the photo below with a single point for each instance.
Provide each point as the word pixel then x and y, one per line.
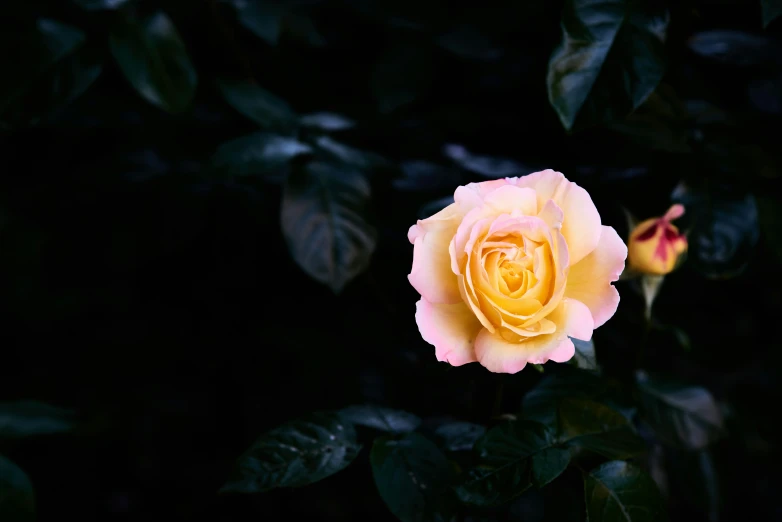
pixel 512 269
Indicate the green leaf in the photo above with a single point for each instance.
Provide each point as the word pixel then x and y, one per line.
pixel 512 457
pixel 722 227
pixel 412 476
pixel 295 454
pixel 154 60
pixel 262 18
pixel 17 501
pixel 595 427
pixel 258 104
pixel 621 492
pixel 771 10
pixel 459 436
pixel 487 166
pixel 384 419
pixel 44 48
pixel 28 418
pixel 610 60
pixel 323 208
pixel 681 415
pixel 360 159
pixel 100 5
pixel 327 121
pixel 261 154
pixel 585 357
pixel 402 75
pixel 693 478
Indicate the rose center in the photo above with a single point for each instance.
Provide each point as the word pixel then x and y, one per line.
pixel 517 273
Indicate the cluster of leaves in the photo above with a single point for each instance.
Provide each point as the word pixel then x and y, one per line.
pixel 609 65
pixel 574 419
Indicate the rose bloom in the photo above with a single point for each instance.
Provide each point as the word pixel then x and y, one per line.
pixel 512 269
pixel 656 244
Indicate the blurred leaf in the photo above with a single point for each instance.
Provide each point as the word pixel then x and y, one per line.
pixel 723 229
pixel 262 17
pixel 423 175
pixel 402 75
pixel 433 207
pixel 17 501
pixel 384 419
pixel 154 59
pixel 323 222
pixel 619 491
pixel 596 427
pixel 44 49
pixel 302 29
pixel 610 60
pixel 650 287
pixel 295 454
pixel 258 104
pixel 585 357
pixel 693 477
pixel 411 475
pixel 513 456
pixel 261 154
pixel 660 123
pixel 327 121
pixel 360 159
pixel 491 167
pixel 459 436
pixel 469 42
pixel 737 48
pixel 100 5
pixel 28 418
pixel 681 415
pixel 771 10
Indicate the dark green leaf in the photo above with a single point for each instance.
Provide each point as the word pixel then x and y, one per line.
pixel 737 48
pixel 258 104
pixel 327 121
pixel 423 175
pixel 261 154
pixel 401 76
pixel 491 167
pixel 513 456
pixel 263 18
pixel 384 419
pixel 153 58
pixel 584 358
pixel 44 49
pixel 350 156
pixel 540 403
pixel 722 228
pixel 27 418
pixel 459 436
pixel 17 501
pixel 411 475
pixel 610 60
pixel 595 427
pixel 100 5
pixel 469 42
pixel 323 222
pixel 681 415
pixel 295 454
pixel 621 492
pixel 771 10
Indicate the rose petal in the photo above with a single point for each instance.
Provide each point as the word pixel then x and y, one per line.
pixel 431 274
pixel 590 279
pixel 571 317
pixel 451 328
pixel 581 224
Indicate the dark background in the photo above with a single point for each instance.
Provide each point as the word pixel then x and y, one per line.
pixel 154 295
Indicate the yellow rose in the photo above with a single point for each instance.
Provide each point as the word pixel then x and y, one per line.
pixel 512 269
pixel 655 244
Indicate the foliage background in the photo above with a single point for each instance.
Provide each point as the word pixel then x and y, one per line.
pixel 148 288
